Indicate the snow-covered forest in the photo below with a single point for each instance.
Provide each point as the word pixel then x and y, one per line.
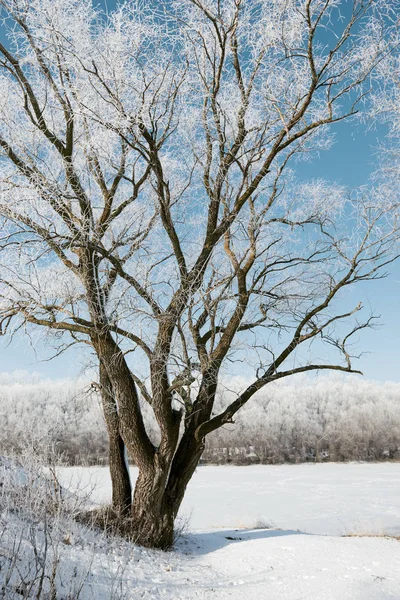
pixel 327 418
pixel 46 412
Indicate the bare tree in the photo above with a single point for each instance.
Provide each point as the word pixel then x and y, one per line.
pixel 149 209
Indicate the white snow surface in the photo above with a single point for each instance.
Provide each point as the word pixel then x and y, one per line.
pixel 228 552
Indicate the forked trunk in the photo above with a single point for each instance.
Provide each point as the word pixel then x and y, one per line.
pixel 164 472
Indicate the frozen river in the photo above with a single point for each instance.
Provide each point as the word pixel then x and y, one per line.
pixel 331 498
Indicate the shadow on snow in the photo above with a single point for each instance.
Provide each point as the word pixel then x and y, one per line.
pixel 207 542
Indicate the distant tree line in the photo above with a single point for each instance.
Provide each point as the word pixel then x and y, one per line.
pixel 328 418
pixel 322 419
pixel 59 412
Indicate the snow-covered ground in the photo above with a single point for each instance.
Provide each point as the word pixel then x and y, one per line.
pixel 228 553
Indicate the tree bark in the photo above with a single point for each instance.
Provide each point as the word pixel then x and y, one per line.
pixel 153 517
pixel 119 469
pixel 183 466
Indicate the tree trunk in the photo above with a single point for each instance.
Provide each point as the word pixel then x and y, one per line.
pixel 120 480
pixel 118 464
pixel 158 495
pixel 164 472
pixel 153 517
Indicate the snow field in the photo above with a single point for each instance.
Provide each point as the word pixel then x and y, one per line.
pixel 325 499
pixel 303 557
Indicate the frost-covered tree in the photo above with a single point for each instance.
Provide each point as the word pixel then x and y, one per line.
pixel 308 418
pixel 149 209
pixel 385 108
pixel 299 418
pixel 64 413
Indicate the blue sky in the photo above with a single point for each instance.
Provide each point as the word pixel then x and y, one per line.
pixel 350 161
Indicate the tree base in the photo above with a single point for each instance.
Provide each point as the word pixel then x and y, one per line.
pixel 154 532
pixel 147 534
